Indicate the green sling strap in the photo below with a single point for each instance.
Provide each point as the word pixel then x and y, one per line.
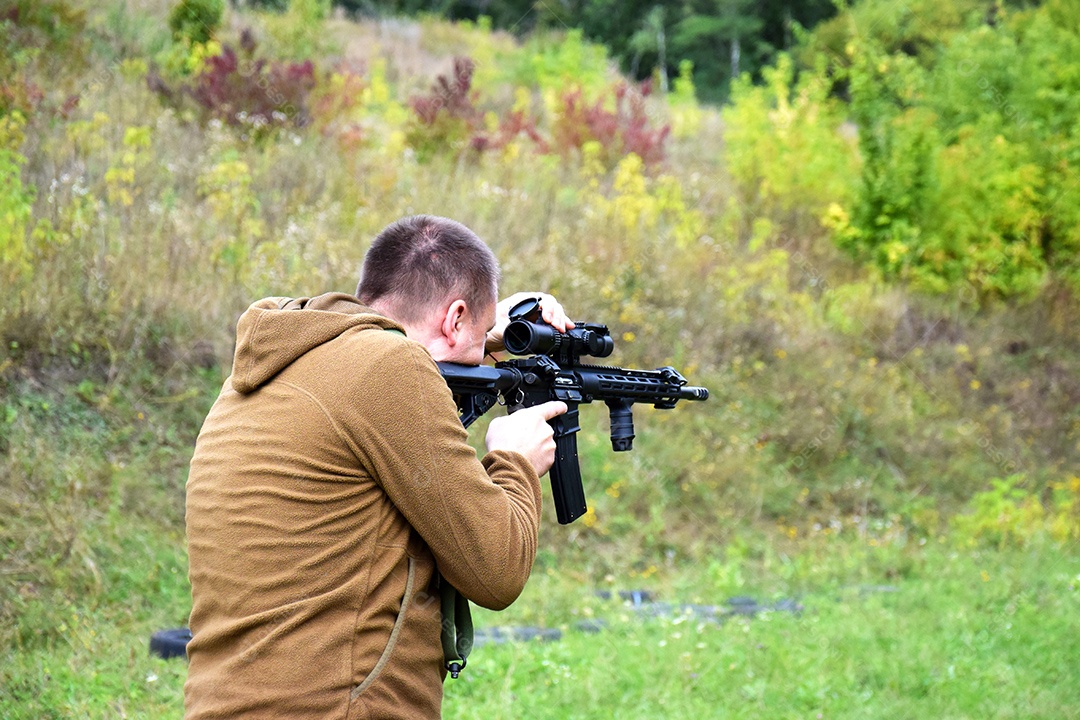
pixel 457 625
pixel 457 628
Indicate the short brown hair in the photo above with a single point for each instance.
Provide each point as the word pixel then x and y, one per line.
pixel 424 259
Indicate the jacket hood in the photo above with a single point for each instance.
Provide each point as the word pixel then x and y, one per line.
pixel 275 331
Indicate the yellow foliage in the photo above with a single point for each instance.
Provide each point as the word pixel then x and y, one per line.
pixel 226 188
pixel 643 207
pixel 12 135
pixel 1008 515
pixel 377 92
pixel 592 163
pixel 15 202
pixel 134 69
pixel 196 59
pixel 120 178
pixel 87 136
pixel 522 100
pixel 686 113
pixel 137 137
pixel 785 144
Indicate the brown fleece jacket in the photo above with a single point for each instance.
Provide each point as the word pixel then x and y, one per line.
pixel 330 479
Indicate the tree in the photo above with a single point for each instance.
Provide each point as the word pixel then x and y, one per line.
pixel 651 36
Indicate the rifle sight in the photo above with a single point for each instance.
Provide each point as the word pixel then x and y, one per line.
pixel 528 334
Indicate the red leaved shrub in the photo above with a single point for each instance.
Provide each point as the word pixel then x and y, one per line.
pixel 511 125
pixel 446 117
pixel 255 94
pixel 626 129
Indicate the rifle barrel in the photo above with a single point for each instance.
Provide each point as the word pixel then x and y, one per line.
pixel 692 392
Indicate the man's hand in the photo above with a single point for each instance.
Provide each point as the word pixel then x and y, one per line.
pixel 550 310
pixel 527 432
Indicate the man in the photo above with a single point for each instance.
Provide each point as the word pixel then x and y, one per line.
pixel 332 478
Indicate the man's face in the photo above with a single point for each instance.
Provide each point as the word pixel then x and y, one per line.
pixel 470 348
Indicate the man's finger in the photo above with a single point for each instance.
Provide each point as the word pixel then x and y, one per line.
pixel 552 408
pixel 553 313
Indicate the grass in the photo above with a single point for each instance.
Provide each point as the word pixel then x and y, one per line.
pixel 943 642
pixel 94 557
pixel 990 634
pixel 895 629
pixel 898 630
pixel 86 655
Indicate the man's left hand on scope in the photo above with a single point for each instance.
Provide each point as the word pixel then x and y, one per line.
pixel 550 310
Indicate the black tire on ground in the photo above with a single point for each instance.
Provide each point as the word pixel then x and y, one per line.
pixel 170 643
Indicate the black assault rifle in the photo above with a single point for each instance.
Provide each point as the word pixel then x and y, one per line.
pixel 553 371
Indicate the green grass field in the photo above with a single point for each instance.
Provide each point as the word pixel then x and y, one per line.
pixel 958 635
pixel 895 631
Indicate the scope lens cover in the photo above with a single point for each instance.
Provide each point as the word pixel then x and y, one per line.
pixel 527 309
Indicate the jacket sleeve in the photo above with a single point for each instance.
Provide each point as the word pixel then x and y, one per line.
pixel 480 519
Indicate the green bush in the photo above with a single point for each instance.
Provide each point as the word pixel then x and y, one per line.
pixel 969 149
pixel 913 28
pixel 1010 515
pixel 785 148
pixel 897 144
pixel 299 32
pixel 555 64
pixel 196 21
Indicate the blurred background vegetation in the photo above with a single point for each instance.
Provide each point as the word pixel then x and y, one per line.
pixel 867 251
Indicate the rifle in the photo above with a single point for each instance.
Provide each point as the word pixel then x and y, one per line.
pixel 553 371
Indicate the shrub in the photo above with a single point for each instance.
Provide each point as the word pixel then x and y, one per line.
pixel 624 129
pixel 1008 515
pixel 299 33
pixel 256 95
pixel 991 228
pixel 16 204
pixel 512 126
pixel 968 181
pixel 555 64
pixel 913 28
pixel 686 114
pixel 260 93
pixel 785 147
pixel 196 21
pixel 446 117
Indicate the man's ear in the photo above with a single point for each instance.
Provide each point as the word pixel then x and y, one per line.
pixel 454 320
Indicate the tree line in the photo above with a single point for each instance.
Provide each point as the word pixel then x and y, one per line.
pixel 649 38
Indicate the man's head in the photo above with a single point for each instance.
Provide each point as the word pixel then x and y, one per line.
pixel 438 279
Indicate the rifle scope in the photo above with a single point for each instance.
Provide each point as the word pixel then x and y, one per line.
pixel 527 334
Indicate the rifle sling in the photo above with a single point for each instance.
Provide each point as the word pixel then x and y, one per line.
pixel 457 627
